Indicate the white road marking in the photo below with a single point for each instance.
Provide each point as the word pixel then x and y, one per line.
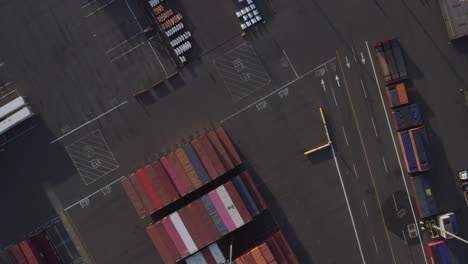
pixel 334 97
pixel 396 150
pixel 90 3
pixel 276 90
pixel 365 207
pixel 375 128
pixel 92 194
pixel 363 89
pixel 347 203
pixel 355 172
pixel 123 42
pixel 90 121
pixel 385 164
pixel 344 133
pixel 6 84
pixel 354 54
pixel 128 51
pixel 375 244
pixel 151 46
pixel 292 66
pixel 394 201
pixel 404 236
pixel 14 91
pixel 99 9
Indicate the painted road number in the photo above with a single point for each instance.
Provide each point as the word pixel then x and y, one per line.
pixel 262 105
pixel 283 93
pixel 84 203
pixel 106 190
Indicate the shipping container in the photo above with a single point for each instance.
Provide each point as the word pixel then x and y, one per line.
pixel 214 215
pixel 149 189
pixel 390 59
pixel 205 159
pixel 455 14
pixel 141 193
pixel 219 148
pixel 238 203
pixel 16 255
pixel 257 255
pixel 449 251
pixel 31 254
pixel 196 258
pixel 197 164
pixel 408 152
pixel 15 118
pixel 420 144
pixel 285 248
pixel 246 196
pixel 176 180
pixel 175 237
pixel 407 117
pixel 212 155
pixel 231 208
pixel 210 232
pixel 183 233
pixel 181 173
pixel 209 258
pixel 266 252
pixel 222 211
pixel 275 250
pixel 133 197
pixel 248 258
pixel 188 168
pixel 167 188
pixel 397 95
pixel 163 242
pixel 229 146
pixel 41 243
pixel 151 173
pixel 12 106
pixel 250 184
pixel 217 253
pixel 423 195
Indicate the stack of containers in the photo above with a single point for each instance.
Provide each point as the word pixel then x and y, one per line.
pixel 274 250
pixel 182 171
pixel 205 220
pixel 209 255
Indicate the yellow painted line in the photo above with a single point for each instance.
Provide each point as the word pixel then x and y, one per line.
pixel 365 155
pixel 324 122
pixel 316 149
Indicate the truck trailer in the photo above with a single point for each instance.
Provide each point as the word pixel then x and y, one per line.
pixel 424 196
pixel 455 14
pixel 407 117
pixel 390 60
pixel 396 94
pixel 447 252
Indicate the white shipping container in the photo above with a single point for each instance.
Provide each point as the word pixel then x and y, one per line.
pixel 14 119
pixel 11 106
pixel 183 232
pixel 231 208
pixel 217 254
pixel 196 259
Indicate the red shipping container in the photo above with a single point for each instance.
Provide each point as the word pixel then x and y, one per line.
pixel 17 255
pixel 163 243
pixel 205 159
pixel 237 200
pixel 228 145
pixel 149 189
pixel 209 231
pixel 276 251
pixel 167 164
pixel 248 258
pixel 141 193
pixel 133 197
pixel 266 252
pixel 239 261
pixel 181 173
pixel 193 224
pixel 208 256
pixel 213 137
pixel 188 168
pixel 210 151
pixel 257 255
pixel 250 184
pixel 175 237
pixel 285 248
pixel 155 183
pixel 164 181
pixel 45 248
pixel 30 253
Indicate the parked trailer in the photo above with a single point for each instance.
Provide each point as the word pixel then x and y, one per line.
pixel 397 95
pixel 423 195
pixel 390 59
pixel 12 106
pixel 455 13
pixel 14 119
pixel 408 152
pixel 407 117
pixel 420 144
pixel 447 252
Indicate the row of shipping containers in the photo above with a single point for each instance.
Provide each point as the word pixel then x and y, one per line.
pixel 181 172
pixel 205 220
pixel 274 250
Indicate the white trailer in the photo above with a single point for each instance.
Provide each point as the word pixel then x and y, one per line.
pixel 455 13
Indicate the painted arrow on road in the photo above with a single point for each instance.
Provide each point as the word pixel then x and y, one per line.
pixel 323 84
pixel 337 79
pixel 363 59
pixel 347 63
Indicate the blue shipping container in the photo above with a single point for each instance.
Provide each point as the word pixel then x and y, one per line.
pixel 218 221
pixel 245 195
pixel 408 152
pixel 421 144
pixel 424 196
pixel 197 165
pixel 447 252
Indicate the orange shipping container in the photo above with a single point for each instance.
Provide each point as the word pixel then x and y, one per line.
pixel 258 257
pixel 188 168
pixel 266 252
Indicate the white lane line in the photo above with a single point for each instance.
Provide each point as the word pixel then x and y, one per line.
pixel 347 203
pixel 355 172
pixel 151 46
pixel 334 97
pixel 354 54
pixel 404 236
pixel 90 3
pixel 99 9
pixel 6 84
pixel 94 193
pixel 345 137
pixel 292 66
pixel 365 208
pixel 123 42
pixel 276 90
pixel 128 51
pixel 394 202
pixel 396 151
pixel 90 121
pixel 14 91
pixel 385 164
pixel 363 89
pixel 375 128
pixel 375 244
